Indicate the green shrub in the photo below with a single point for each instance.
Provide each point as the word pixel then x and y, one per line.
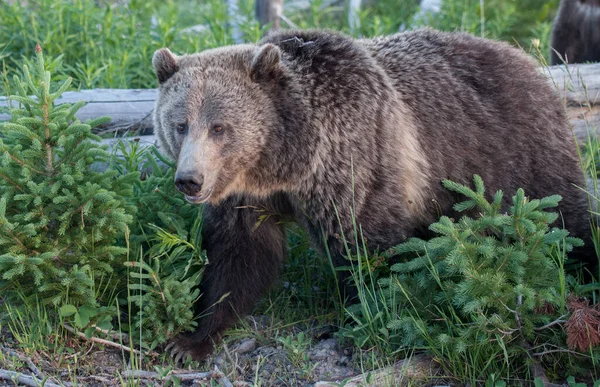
pixel 166 240
pixel 165 290
pixel 479 295
pixel 83 240
pixel 517 23
pixel 59 219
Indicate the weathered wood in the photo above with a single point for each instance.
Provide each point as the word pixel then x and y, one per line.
pixel 126 107
pixel 578 86
pixel 269 12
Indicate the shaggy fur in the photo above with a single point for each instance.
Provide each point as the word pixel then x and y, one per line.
pixel 314 124
pixel 576 32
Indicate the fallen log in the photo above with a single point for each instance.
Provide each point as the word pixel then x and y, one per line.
pixel 127 108
pixel 131 109
pixel 579 88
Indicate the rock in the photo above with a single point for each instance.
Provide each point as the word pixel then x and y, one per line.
pixel 246 346
pixel 411 370
pixel 320 354
pixel 324 349
pixel 328 344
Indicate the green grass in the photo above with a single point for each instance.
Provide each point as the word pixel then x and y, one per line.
pixel 109 44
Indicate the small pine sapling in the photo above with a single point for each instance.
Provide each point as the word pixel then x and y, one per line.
pixel 167 239
pixel 59 218
pixel 490 286
pixel 165 290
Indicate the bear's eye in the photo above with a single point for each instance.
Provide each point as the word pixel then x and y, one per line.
pixel 217 128
pixel 181 128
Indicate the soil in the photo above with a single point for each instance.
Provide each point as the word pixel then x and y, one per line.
pixel 246 361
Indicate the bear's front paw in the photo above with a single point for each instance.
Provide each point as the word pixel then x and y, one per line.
pixel 183 346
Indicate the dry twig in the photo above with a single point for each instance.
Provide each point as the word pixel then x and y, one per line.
pixel 557 321
pixel 107 342
pixel 112 334
pixel 25 380
pixel 32 367
pixel 182 376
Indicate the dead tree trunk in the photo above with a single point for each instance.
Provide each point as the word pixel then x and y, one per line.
pixel 234 21
pixel 269 12
pixel 353 15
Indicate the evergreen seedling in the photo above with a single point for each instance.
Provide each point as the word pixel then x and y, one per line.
pixel 59 218
pixel 167 239
pixel 482 292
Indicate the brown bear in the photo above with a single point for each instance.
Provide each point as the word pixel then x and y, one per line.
pixel 576 32
pixel 326 128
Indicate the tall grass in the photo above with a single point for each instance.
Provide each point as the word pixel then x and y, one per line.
pixel 109 43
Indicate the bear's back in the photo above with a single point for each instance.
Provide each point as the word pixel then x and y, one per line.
pixel 483 107
pixel 483 104
pixel 479 107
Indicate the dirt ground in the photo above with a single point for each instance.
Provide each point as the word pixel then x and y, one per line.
pixel 249 361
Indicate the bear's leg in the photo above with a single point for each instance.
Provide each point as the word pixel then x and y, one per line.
pixel 245 254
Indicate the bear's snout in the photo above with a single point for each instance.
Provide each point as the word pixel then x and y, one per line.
pixel 190 185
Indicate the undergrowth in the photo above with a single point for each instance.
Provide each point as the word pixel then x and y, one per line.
pixel 488 295
pixel 82 242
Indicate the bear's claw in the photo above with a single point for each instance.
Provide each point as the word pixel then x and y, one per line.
pixel 177 352
pixel 180 347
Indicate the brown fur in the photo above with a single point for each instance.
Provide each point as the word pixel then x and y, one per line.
pixel 576 32
pixel 317 124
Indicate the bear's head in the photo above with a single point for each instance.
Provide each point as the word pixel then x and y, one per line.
pixel 214 115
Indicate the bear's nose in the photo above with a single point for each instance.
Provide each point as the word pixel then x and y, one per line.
pixel 189 185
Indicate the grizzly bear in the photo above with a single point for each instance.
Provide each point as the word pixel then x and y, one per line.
pixel 576 32
pixel 327 129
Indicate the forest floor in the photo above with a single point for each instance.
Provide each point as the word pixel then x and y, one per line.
pixel 311 356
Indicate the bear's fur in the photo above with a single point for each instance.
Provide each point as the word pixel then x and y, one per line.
pixel 313 124
pixel 576 32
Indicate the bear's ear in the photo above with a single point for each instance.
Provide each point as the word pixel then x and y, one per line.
pixel 165 64
pixel 266 63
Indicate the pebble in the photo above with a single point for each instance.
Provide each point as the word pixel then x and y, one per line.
pixel 246 346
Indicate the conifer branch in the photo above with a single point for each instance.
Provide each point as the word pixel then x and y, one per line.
pixel 35 226
pixel 23 163
pixel 67 155
pixel 14 184
pixel 479 277
pixel 21 244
